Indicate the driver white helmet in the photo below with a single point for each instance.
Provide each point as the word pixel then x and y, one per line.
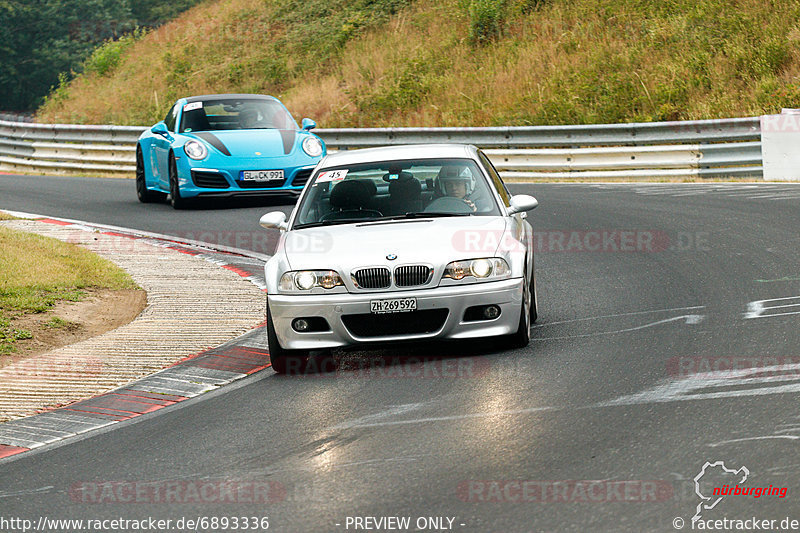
pixel 450 173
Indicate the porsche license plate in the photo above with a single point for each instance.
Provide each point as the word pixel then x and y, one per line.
pixel 262 175
pixel 395 305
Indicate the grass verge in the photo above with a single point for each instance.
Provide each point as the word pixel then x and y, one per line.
pixel 37 272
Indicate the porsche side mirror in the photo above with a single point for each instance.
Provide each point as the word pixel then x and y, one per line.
pixel 309 124
pixel 521 203
pixel 160 129
pixel 274 220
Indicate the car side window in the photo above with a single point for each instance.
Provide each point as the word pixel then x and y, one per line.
pixel 171 118
pixel 498 183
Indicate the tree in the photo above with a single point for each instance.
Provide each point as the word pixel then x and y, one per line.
pixel 39 39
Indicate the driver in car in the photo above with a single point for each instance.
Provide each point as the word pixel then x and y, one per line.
pixel 250 119
pixel 456 184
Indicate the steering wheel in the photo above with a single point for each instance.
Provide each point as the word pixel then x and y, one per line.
pixel 363 213
pixel 450 204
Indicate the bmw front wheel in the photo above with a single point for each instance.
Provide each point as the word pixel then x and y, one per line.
pixel 522 337
pixel 284 361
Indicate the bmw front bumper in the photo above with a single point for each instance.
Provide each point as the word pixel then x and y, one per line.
pixel 443 308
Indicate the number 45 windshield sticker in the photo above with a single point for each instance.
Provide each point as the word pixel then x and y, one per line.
pixel 331 175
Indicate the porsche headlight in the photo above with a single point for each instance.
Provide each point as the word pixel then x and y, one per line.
pixel 305 280
pixel 312 146
pixel 195 150
pixel 483 268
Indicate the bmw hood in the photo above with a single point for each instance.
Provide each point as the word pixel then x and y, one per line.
pixel 435 242
pixel 246 143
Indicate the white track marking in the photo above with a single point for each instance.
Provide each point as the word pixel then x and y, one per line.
pixel 760 308
pixel 784 379
pixel 490 414
pixel 690 319
pixel 621 314
pixel 732 441
pixel 367 420
pixel 16 493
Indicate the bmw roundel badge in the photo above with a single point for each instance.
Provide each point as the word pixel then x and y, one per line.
pixel 391 257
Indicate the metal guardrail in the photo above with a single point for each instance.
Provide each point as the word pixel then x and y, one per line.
pixel 706 148
pixel 16 117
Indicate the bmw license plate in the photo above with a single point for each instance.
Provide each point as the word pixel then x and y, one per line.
pixel 262 175
pixel 395 305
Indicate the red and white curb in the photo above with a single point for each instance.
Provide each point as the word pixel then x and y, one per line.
pixel 203 372
pixel 206 371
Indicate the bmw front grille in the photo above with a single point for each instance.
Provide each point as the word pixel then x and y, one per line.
pixel 372 278
pixel 412 275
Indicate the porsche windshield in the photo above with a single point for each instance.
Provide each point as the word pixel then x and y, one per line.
pixel 396 189
pixel 235 114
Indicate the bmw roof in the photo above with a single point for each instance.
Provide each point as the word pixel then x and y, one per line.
pixel 408 151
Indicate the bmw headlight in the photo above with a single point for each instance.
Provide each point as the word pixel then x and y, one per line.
pixel 195 149
pixel 305 280
pixel 312 146
pixel 483 268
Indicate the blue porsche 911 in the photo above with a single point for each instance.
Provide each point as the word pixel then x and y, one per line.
pixel 225 145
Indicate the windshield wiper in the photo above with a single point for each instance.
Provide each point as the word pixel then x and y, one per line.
pixel 334 222
pixel 431 214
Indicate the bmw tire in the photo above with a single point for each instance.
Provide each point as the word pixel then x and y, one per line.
pixel 284 361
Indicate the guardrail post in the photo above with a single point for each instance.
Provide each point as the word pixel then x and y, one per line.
pixel 780 145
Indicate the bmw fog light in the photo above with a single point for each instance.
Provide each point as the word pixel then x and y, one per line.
pixel 490 312
pixel 300 324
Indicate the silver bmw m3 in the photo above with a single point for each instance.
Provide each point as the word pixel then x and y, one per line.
pixel 400 243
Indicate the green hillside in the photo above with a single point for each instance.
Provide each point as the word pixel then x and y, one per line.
pixel 370 63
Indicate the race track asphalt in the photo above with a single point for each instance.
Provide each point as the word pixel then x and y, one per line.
pixel 668 339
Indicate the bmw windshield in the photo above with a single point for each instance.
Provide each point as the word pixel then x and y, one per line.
pixel 396 189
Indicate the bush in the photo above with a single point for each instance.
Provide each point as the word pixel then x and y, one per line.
pixel 485 20
pixel 107 56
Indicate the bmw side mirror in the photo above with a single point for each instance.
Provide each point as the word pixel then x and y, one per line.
pixel 521 203
pixel 274 220
pixel 309 124
pixel 160 129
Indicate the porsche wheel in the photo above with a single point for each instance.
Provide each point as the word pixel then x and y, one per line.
pixel 145 195
pixel 174 186
pixel 284 361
